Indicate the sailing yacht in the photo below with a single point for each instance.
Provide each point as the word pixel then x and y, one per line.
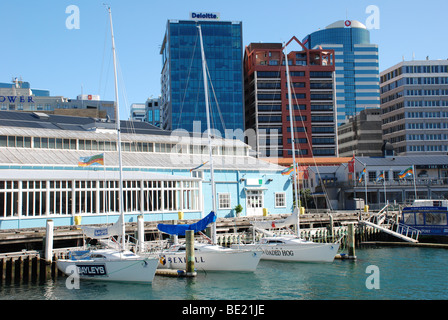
pixel 110 264
pixel 208 256
pixel 290 248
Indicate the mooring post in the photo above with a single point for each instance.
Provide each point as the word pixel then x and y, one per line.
pixel 331 227
pixel 49 242
pixel 351 241
pixel 189 244
pixel 141 233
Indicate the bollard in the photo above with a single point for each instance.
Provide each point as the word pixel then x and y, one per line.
pixel 189 244
pixel 49 242
pixel 141 233
pixel 351 241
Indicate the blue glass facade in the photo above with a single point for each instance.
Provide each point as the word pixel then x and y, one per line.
pixel 183 99
pixel 357 66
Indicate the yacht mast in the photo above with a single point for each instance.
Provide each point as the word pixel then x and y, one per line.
pixel 117 117
pixel 291 124
pixel 207 107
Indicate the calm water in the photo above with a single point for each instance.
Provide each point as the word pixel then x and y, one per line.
pixel 404 273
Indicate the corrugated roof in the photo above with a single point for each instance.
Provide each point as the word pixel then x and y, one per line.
pixel 54 157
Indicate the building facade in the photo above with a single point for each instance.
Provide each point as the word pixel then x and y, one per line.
pixel 357 66
pixel 182 86
pixel 137 112
pixel 40 177
pixel 361 135
pixel 267 103
pixel 18 96
pixel 380 182
pixel 414 104
pixel 152 109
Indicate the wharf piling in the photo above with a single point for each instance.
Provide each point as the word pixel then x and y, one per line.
pixel 189 252
pixel 26 267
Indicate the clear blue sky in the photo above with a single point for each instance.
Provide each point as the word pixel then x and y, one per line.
pixel 37 46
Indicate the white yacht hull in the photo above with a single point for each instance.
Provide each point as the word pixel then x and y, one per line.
pixel 298 252
pixel 224 259
pixel 132 270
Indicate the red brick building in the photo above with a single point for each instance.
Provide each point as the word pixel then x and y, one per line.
pixel 266 100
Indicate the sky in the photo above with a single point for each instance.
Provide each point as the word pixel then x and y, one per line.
pixel 40 45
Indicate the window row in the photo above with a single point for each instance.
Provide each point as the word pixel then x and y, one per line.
pixel 43 198
pixel 94 145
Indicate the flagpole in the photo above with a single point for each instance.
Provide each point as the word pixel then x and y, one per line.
pixel 384 184
pixel 415 186
pixel 365 181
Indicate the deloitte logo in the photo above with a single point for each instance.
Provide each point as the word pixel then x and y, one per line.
pixel 204 16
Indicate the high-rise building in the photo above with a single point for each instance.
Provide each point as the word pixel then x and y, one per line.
pixel 414 103
pixel 182 97
pixel 357 68
pixel 267 103
pixel 361 135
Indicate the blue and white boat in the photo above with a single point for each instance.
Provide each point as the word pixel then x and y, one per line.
pixel 428 216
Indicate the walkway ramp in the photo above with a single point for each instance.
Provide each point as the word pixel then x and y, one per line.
pixel 389 226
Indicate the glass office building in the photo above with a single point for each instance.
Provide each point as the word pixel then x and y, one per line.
pixel 182 85
pixel 357 68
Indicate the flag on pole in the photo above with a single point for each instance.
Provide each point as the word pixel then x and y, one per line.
pixel 361 175
pixel 202 164
pixel 351 165
pixel 288 170
pixel 95 160
pixel 380 177
pixel 405 173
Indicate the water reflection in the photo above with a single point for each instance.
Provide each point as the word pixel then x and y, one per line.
pixel 405 273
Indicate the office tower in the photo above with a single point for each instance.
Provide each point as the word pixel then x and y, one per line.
pixel 182 97
pixel 267 105
pixel 357 70
pixel 414 103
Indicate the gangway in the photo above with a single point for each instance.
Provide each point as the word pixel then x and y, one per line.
pixel 381 222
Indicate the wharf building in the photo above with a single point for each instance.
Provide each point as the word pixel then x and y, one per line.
pixel 164 173
pixel 18 96
pixel 346 187
pixel 267 103
pixel 357 65
pixel 182 86
pixel 414 104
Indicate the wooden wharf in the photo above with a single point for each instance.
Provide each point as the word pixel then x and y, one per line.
pixel 70 236
pixel 29 264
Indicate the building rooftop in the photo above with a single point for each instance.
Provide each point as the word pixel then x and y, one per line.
pixel 405 160
pixel 55 126
pixel 320 161
pixel 341 24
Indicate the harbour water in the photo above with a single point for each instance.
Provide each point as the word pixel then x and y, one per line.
pixel 386 273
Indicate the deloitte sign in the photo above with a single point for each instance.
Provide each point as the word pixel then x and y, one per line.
pixel 204 16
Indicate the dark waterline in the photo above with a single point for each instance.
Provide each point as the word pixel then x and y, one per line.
pixel 404 274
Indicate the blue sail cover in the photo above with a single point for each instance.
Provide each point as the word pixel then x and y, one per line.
pixel 180 229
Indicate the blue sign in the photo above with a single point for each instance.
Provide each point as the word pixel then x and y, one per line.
pixel 204 16
pixel 92 270
pixel 101 232
pixel 14 99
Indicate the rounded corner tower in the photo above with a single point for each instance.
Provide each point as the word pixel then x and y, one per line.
pixel 356 62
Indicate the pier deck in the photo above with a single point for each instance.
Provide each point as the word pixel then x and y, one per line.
pixel 69 236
